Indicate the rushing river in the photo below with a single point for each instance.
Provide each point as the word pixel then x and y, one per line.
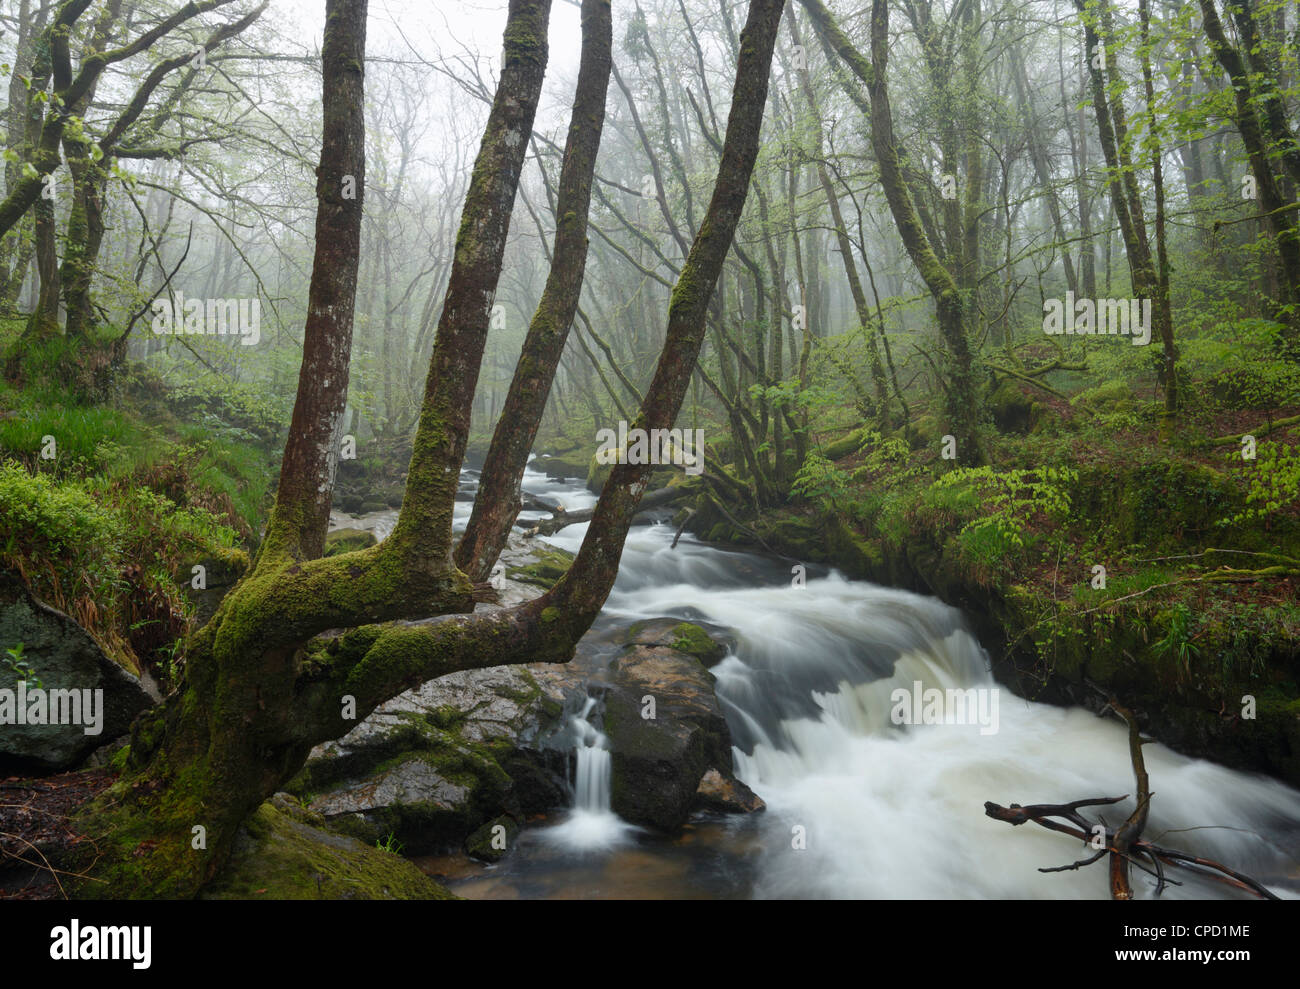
pixel 859 806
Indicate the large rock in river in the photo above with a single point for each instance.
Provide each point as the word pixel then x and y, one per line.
pixel 666 729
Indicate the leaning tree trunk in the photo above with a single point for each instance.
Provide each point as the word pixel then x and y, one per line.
pixel 258 691
pixel 498 500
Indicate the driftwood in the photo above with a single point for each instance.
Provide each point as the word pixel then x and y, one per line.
pixel 560 518
pixel 1124 845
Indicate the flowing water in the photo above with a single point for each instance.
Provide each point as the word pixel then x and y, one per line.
pixel 859 806
pixel 591 825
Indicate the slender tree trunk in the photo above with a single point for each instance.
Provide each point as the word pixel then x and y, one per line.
pixel 1280 218
pixel 498 500
pixel 302 504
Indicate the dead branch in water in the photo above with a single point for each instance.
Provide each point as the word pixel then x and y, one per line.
pixel 1125 844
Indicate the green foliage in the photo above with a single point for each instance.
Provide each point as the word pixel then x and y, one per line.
pixel 86 437
pixel 108 553
pixel 59 537
pixel 19 667
pixel 240 409
pixel 821 482
pixel 1178 643
pixel 1240 360
pixel 1274 481
pixel 390 844
pixel 1004 503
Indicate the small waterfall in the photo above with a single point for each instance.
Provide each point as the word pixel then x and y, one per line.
pixel 591 776
pixel 591 824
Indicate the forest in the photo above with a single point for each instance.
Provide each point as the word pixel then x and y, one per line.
pixel 650 449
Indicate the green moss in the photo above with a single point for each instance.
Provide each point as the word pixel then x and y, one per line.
pixel 547 566
pixel 1109 396
pixel 846 445
pixel 694 641
pixel 120 759
pixel 493 841
pixel 283 854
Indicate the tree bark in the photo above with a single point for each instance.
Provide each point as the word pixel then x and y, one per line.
pixel 498 500
pixel 302 503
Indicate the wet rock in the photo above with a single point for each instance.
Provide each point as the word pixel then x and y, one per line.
pixel 572 464
pixel 665 726
pixel 436 762
pixel 543 566
pixel 426 799
pixel 347 540
pixel 493 840
pixel 684 637
pixel 526 568
pixel 63 656
pixel 726 794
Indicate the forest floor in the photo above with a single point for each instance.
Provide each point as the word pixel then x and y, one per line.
pixel 36 829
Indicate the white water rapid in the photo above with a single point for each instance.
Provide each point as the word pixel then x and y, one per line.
pixel 885 810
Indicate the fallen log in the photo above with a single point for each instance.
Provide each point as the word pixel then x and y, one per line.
pixel 560 518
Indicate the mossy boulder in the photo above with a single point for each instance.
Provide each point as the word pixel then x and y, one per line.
pixel 665 726
pixel 1160 503
pixel 858 556
pixel 846 445
pixel 1012 409
pixel 797 536
pixel 428 798
pixel 683 637
pixel 493 841
pixel 284 852
pixel 436 762
pixel 571 464
pixel 340 541
pixel 927 431
pixel 1109 396
pixel 557 446
pixel 64 657
pixel 546 565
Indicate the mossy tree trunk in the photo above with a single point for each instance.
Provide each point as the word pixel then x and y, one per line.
pixel 20 138
pixel 258 692
pixel 498 500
